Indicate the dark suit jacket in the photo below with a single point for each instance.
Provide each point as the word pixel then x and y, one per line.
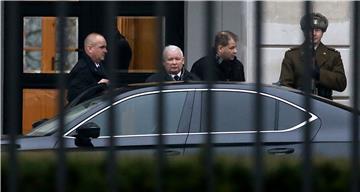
pixel 163 76
pixel 332 74
pixel 225 71
pixel 84 75
pixel 120 51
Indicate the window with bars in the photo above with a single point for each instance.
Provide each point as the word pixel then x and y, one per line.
pixel 40 48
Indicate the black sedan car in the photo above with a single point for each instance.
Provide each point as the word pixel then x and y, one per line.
pixel 185 118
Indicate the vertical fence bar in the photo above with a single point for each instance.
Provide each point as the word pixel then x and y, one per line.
pixel 109 28
pixel 355 124
pixel 61 12
pixel 161 161
pixel 209 98
pixel 258 118
pixel 12 87
pixel 307 81
pixel 2 65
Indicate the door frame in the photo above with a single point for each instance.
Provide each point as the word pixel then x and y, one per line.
pixel 91 19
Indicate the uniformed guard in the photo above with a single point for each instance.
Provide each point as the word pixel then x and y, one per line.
pixel 327 71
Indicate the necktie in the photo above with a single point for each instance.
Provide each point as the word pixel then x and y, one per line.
pixel 177 78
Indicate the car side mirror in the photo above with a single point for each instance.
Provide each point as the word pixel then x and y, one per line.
pixel 85 132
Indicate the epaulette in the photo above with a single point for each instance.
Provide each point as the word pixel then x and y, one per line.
pixel 294 48
pixel 332 49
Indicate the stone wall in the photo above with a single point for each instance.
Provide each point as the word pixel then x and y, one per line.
pixel 281 31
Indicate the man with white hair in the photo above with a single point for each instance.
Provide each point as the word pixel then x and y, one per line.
pixel 173 67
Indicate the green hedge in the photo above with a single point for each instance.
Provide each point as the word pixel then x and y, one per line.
pixel 87 172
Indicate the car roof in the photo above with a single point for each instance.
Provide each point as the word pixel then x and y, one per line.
pixel 219 84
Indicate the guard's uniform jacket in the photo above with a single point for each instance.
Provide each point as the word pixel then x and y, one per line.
pixel 328 60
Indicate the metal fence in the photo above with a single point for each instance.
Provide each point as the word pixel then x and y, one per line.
pixel 161 158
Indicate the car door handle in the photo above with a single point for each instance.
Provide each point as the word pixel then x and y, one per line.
pixel 280 151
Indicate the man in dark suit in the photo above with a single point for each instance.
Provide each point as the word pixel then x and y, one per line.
pixel 173 67
pixel 222 61
pixel 89 70
pixel 120 52
pixel 327 68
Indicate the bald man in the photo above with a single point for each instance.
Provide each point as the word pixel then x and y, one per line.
pixel 89 70
pixel 173 67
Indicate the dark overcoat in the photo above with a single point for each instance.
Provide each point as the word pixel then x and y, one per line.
pixel 230 70
pixel 163 76
pixel 119 51
pixel 84 75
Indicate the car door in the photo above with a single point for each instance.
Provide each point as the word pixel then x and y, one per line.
pixel 233 123
pixel 137 123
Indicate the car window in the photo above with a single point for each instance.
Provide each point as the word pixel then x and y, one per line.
pixel 138 115
pixel 290 116
pixel 235 111
pixel 50 126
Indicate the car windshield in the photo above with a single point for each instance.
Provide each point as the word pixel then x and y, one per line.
pixel 51 125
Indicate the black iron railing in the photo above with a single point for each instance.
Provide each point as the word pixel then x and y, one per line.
pixel 12 89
